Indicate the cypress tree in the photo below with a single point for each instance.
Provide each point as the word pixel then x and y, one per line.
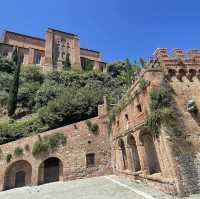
pixel 12 100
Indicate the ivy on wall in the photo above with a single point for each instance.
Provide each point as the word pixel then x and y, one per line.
pixel 127 99
pixel 162 111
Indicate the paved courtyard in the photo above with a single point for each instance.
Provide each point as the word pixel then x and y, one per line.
pixel 106 187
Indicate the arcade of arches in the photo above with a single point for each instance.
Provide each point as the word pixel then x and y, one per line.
pixel 137 156
pixel 19 173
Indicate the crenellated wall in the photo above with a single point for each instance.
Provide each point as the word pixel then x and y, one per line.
pixel 170 161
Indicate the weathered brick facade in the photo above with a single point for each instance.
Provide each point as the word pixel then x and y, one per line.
pixel 71 158
pixel 50 53
pixel 170 162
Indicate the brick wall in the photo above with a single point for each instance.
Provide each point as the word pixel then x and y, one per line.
pixel 80 141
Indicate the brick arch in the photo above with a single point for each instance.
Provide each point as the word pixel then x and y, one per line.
pixel 151 157
pixel 134 152
pixel 50 170
pixel 18 174
pixel 171 73
pixel 181 73
pixel 191 74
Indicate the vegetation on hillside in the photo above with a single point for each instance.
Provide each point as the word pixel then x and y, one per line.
pixel 47 101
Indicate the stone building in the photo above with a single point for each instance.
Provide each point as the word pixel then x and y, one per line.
pixel 52 52
pixel 85 154
pixel 168 159
pixel 171 160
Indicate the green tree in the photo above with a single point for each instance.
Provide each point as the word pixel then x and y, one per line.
pixel 12 100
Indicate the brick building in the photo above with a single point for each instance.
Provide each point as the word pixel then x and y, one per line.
pixel 51 53
pixel 85 154
pixel 171 160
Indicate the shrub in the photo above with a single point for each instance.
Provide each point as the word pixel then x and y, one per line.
pixel 143 83
pixel 161 111
pixel 8 158
pixel 27 147
pixel 18 152
pixel 48 143
pixel 18 129
pixel 40 147
pixel 94 128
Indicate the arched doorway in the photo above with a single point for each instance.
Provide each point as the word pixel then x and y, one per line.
pixel 51 170
pixel 123 154
pixel 150 153
pixel 18 174
pixel 134 153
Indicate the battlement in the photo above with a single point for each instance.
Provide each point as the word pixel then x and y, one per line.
pixel 192 57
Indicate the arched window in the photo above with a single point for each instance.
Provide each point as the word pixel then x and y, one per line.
pixel 150 153
pixel 18 174
pixel 134 153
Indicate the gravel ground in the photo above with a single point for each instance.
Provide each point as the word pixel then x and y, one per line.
pixel 106 187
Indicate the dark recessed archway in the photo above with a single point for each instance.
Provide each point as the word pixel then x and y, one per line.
pixel 150 153
pixel 50 170
pixel 18 174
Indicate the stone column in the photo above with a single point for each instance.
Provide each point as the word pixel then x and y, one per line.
pixel 119 160
pixel 143 161
pixel 35 176
pixel 130 159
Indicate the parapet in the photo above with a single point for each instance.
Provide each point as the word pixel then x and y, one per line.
pixel 178 53
pixel 177 58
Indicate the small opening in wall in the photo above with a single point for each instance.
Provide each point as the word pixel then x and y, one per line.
pixel 139 108
pixel 89 142
pixel 90 159
pixel 75 127
pixel 117 122
pixel 126 117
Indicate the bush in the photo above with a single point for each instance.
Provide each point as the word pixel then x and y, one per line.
pixel 32 73
pixel 18 152
pixel 27 147
pixel 161 110
pixel 18 129
pixel 94 128
pixel 8 158
pixel 6 65
pixel 143 83
pixel 48 143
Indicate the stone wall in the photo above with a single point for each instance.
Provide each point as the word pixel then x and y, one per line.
pixel 72 156
pixel 189 166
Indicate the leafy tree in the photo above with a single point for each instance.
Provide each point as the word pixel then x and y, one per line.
pixel 6 65
pixel 12 100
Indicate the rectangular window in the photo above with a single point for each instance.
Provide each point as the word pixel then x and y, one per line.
pixel 90 160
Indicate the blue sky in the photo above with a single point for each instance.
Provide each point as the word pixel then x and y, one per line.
pixel 118 28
